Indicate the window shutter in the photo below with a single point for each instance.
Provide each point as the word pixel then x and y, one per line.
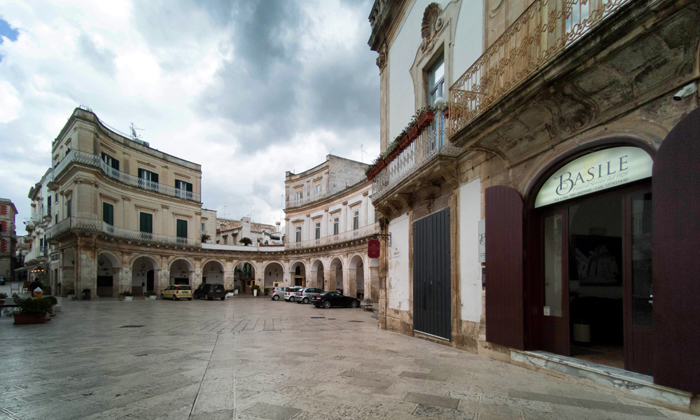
pixel 504 267
pixel 69 211
pixel 146 222
pixel 181 228
pixel 115 164
pixel 189 187
pixel 154 177
pixel 108 213
pixel 141 173
pixel 676 239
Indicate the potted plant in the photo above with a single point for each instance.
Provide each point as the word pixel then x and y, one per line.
pixel 150 295
pixel 127 296
pixel 32 311
pixel 3 296
pixel 70 293
pixel 255 289
pixel 246 241
pixel 54 302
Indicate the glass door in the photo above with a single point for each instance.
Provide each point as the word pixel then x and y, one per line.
pixel 555 311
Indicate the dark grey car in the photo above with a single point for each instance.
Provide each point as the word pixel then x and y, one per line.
pixel 307 294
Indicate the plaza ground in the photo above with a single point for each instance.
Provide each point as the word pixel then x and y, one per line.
pixel 251 358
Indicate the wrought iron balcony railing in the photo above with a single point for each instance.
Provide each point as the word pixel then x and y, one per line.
pixel 430 144
pixel 83 224
pixel 349 235
pixel 298 202
pixel 134 181
pixel 545 29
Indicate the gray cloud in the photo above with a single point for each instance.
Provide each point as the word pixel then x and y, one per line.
pixel 101 59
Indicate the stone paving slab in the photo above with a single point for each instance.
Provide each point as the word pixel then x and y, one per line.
pixel 259 359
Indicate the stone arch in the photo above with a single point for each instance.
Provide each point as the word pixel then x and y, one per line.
pixel 298 274
pixel 144 274
pixel 317 274
pixel 213 272
pixel 180 274
pixel 108 274
pixel 356 276
pixel 273 273
pixel 335 281
pixel 244 272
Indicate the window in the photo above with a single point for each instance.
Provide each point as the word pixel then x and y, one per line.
pixel 318 189
pixel 336 226
pixel 48 206
pixel 2 226
pixel 299 195
pixel 146 226
pixel 110 162
pixel 108 213
pixel 181 231
pixel 436 89
pixel 203 230
pixel 56 218
pixel 69 204
pixel 183 189
pixel 148 180
pixel 298 233
pixel 318 230
pixel 356 220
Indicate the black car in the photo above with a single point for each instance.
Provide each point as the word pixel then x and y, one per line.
pixel 210 291
pixel 328 299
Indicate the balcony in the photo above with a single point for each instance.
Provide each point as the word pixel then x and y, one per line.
pixel 298 202
pixel 428 147
pixel 538 36
pixel 131 180
pixel 350 235
pixel 85 225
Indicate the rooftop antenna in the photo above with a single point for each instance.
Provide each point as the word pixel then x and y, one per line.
pixel 134 135
pixel 362 154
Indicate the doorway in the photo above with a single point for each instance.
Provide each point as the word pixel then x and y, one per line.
pixel 595 282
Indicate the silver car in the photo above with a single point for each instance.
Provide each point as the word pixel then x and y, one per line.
pixel 291 292
pixel 278 292
pixel 307 294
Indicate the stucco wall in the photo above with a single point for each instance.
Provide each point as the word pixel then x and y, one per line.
pixel 398 284
pixel 470 268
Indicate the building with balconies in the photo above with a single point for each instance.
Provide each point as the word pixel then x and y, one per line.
pixel 571 129
pixel 329 219
pixel 8 238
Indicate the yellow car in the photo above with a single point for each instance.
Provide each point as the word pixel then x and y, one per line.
pixel 177 291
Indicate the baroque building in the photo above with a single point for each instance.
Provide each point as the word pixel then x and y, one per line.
pixel 550 150
pixel 8 238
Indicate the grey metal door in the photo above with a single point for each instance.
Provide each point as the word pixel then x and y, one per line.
pixel 432 274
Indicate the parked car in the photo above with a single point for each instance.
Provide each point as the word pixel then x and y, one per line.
pixel 328 299
pixel 307 294
pixel 290 293
pixel 210 291
pixel 177 291
pixel 278 292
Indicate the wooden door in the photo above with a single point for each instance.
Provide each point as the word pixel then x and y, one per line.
pixel 637 282
pixel 432 313
pixel 555 330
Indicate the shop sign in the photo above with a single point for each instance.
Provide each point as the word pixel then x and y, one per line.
pixel 373 248
pixel 595 172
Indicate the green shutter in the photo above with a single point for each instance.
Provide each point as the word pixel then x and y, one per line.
pixel 181 228
pixel 68 208
pixel 108 213
pixel 146 223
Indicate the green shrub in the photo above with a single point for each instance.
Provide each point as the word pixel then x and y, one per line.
pixel 3 295
pixel 147 294
pixel 31 306
pixel 52 299
pixel 127 293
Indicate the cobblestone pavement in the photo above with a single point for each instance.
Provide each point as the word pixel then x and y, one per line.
pixel 248 358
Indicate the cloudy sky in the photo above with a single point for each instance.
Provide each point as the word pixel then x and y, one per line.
pixel 248 89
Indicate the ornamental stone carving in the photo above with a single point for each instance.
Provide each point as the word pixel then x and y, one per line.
pixel 432 23
pixel 381 60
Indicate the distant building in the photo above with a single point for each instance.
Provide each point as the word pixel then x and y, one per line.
pixel 231 232
pixel 8 238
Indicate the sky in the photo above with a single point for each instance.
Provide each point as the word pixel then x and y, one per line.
pixel 248 89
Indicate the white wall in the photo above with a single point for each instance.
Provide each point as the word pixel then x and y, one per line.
pixel 398 264
pixel 468 37
pixel 470 268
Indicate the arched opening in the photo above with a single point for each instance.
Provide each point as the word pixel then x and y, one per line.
pixel 243 276
pixel 274 275
pixel 181 272
pixel 356 272
pixel 107 275
pixel 336 280
pixel 317 276
pixel 213 273
pixel 298 274
pixel 143 274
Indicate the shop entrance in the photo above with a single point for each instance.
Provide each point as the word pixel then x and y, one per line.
pixel 596 279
